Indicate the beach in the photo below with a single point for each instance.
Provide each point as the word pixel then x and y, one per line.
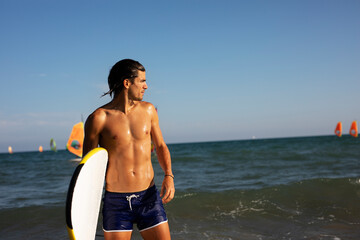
pixel 286 188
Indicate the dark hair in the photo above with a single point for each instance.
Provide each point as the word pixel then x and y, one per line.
pixel 124 69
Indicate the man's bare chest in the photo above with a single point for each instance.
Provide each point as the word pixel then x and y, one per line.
pixel 127 128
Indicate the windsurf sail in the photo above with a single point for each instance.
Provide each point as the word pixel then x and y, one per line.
pixel 152 147
pixel 10 150
pixel 53 145
pixel 41 149
pixel 76 140
pixel 354 129
pixel 338 129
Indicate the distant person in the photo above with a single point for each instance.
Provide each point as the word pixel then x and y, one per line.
pixel 125 127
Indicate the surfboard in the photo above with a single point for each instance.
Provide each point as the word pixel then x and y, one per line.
pixel 84 195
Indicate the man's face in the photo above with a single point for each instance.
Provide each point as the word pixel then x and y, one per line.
pixel 137 89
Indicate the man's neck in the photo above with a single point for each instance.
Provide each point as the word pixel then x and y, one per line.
pixel 122 102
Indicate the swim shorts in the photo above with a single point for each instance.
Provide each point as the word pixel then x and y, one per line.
pixel 122 210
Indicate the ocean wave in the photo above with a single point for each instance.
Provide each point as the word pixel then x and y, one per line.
pixel 311 209
pixel 321 198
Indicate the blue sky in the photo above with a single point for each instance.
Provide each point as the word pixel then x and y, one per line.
pixel 216 70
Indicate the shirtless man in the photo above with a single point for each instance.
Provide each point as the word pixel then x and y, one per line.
pixel 125 127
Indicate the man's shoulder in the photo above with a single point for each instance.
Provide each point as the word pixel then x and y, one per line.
pixel 147 105
pixel 98 115
pixel 149 108
pixel 100 111
pixel 144 103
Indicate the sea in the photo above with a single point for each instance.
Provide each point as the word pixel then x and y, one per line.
pixel 259 189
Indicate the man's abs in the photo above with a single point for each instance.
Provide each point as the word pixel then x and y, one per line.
pixel 129 175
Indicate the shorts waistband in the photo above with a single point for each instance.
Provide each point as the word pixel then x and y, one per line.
pixel 140 193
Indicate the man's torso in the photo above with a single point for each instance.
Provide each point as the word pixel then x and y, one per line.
pixel 128 141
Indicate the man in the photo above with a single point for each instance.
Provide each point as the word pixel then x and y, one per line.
pixel 125 127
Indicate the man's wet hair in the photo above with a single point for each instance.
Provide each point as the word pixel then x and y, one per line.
pixel 124 69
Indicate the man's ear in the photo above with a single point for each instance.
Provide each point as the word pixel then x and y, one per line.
pixel 126 83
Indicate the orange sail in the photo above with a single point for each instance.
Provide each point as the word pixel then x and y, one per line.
pixel 354 129
pixel 76 140
pixel 338 129
pixel 10 150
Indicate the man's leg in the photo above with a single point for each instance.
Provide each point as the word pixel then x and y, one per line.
pixel 117 235
pixel 160 232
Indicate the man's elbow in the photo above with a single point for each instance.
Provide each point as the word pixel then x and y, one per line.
pixel 161 148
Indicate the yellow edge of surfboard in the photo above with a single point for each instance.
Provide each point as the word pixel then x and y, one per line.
pixel 90 154
pixel 71 233
pixel 83 161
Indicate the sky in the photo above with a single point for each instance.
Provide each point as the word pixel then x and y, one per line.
pixel 216 70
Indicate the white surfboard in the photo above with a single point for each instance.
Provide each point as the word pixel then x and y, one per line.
pixel 84 195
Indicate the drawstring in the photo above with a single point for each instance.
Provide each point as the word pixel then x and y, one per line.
pixel 129 199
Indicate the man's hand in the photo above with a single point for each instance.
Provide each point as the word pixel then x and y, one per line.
pixel 167 189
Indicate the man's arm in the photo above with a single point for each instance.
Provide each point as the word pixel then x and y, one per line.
pixel 93 127
pixel 163 154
